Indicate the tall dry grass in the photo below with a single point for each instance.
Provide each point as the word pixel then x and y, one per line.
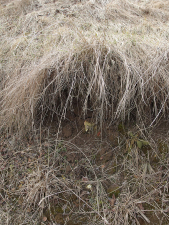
pixel 109 56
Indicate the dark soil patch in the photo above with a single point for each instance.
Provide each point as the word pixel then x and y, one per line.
pixel 70 164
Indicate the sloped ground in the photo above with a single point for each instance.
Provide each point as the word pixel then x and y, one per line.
pixel 65 64
pixel 84 178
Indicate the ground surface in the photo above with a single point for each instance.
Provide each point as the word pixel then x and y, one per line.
pixel 84 177
pixel 70 72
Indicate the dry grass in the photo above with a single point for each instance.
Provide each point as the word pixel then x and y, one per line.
pixel 108 57
pixel 40 185
pixel 113 54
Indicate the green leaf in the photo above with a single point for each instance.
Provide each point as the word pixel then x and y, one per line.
pixel 130 134
pixel 139 143
pixel 144 142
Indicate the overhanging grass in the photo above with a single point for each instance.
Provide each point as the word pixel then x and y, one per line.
pixel 110 56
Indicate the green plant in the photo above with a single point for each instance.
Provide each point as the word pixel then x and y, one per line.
pixel 134 140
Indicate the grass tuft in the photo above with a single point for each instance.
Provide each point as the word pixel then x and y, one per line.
pixel 114 64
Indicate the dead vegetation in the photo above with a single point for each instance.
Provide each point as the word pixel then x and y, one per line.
pixel 113 54
pixel 93 183
pixel 71 60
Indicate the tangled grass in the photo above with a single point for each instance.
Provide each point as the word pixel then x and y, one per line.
pixel 111 57
pixel 107 57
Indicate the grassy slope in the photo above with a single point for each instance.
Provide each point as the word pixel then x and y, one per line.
pixel 115 53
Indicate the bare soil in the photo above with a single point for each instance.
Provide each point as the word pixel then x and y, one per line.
pixel 77 160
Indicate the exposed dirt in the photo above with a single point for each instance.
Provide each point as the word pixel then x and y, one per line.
pixel 79 158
